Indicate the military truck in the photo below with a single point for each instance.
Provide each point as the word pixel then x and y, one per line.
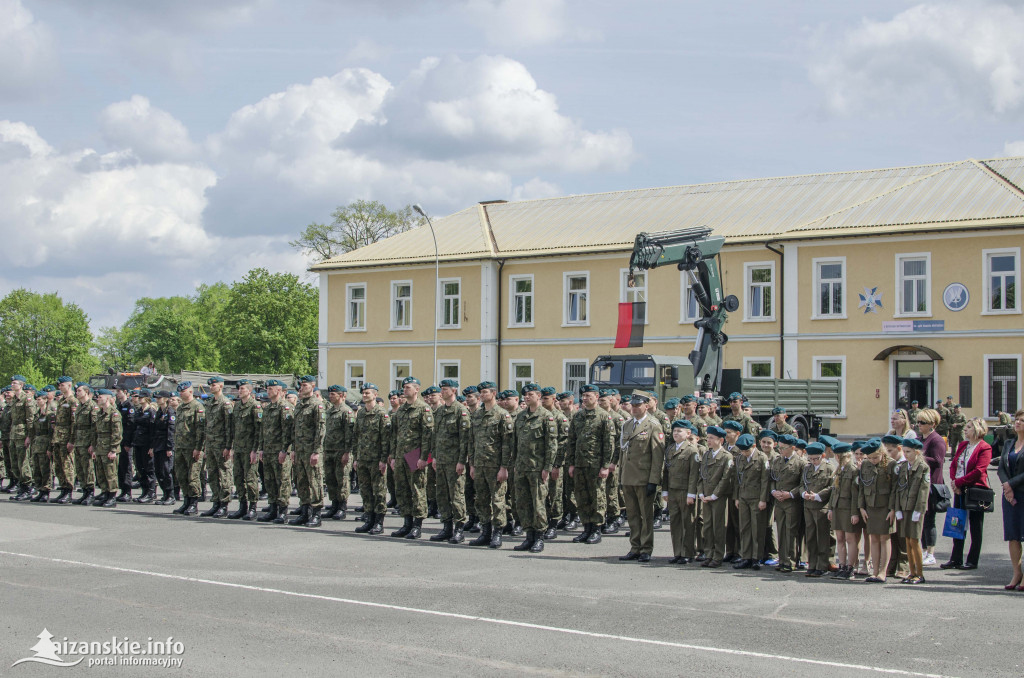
pixel 168 382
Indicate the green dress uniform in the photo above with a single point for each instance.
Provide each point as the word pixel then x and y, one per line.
pixel 786 476
pixel 590 449
pixel 309 424
pixel 372 444
pixel 63 458
pixel 414 427
pixel 844 502
pixel 450 449
pixel 83 433
pixel 819 482
pixel 680 481
pixel 108 441
pixel 42 435
pixel 490 449
pixel 911 497
pixel 714 488
pixel 752 482
pixel 189 432
pixel 534 444
pixel 246 418
pixel 875 496
pixel 642 454
pixel 216 440
pixel 23 412
pixel 339 444
pixel 276 433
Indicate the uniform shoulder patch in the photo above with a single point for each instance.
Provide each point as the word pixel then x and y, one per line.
pixel 661 435
pixel 116 416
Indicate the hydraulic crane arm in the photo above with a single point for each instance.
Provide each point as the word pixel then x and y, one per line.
pixel 693 250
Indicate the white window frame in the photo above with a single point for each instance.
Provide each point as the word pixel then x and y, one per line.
pixel 816 362
pixel 512 363
pixel 748 361
pixel 685 292
pixel 817 263
pixel 394 288
pixel 986 265
pixel 898 311
pixel 441 364
pixel 349 364
pixel 349 327
pixel 512 279
pixel 748 267
pixel 639 292
pixel 393 371
pixel 1020 387
pixel 565 373
pixel 442 300
pixel 565 298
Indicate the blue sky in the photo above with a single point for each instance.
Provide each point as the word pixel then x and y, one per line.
pixel 146 147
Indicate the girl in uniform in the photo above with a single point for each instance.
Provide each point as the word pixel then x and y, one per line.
pixel 875 481
pixel 912 490
pixel 843 512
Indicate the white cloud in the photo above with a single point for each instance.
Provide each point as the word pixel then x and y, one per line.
pixel 525 22
pixel 26 52
pixel 967 57
pixel 152 134
pixel 536 188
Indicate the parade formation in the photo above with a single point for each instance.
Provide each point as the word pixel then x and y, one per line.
pixel 533 463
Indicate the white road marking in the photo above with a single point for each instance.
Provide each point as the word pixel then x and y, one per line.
pixel 485 620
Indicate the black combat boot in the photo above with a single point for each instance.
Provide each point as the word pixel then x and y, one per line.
pixel 103 496
pixel 124 497
pixel 282 515
pixel 416 530
pixel 208 513
pixel 330 512
pixel 177 494
pixel 342 510
pixel 562 522
pixel 378 525
pixel 574 522
pixel 314 516
pixel 517 529
pixel 24 493
pixel 303 517
pixel 270 515
pixel 432 509
pixel 368 523
pixel 495 542
pixel 222 510
pixel 243 508
pixel 531 536
pixel 610 527
pixel 296 511
pixel 485 536
pixel 458 535
pixel 507 530
pixel 61 498
pixel 42 498
pixel 550 532
pixel 251 513
pixel 404 529
pixel 146 498
pixel 595 535
pixel 473 524
pixel 85 498
pixel 193 507
pixel 582 536
pixel 111 502
pixel 445 534
pixel 181 509
pixel 538 542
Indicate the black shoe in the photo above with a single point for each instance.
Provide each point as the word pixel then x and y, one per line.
pixel 99 500
pixel 744 564
pixel 192 508
pixel 495 542
pixel 574 522
pixel 550 532
pixel 474 525
pixel 181 509
pixel 63 498
pixel 531 536
pixel 730 558
pixel 330 512
pixel 367 524
pixel 24 493
pixel 700 558
pixel 416 530
pixel 632 555
pixel 222 510
pixel 562 522
pixel 620 519
pixel 969 566
pixel 303 517
pixel 445 533
pixel 538 542
pixel 609 527
pixel 378 526
pixel 266 509
pixel 86 495
pixel 675 560
pixel 342 511
pixel 950 565
pixel 582 537
pixel 754 565
pixel 208 513
pixel 595 535
pixel 296 511
pixel 42 497
pixel 815 573
pixel 485 536
pixel 432 510
pixel 405 529
pixel 146 498
pixel 251 513
pixel 243 508
pixel 517 530
pixel 458 535
pixel 314 516
pixel 282 515
pixel 110 502
pixel 124 497
pixel 644 558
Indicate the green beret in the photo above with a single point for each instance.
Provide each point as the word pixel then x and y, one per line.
pixel 671 403
pixel 715 431
pixel 801 444
pixel 335 388
pixel 64 380
pixel 19 377
pixel 566 395
pixel 291 391
pixel 914 443
pixel 735 395
pixel 871 446
pixel 185 385
pixel 778 410
pixel 461 398
pixel 787 439
pixel 393 392
pixel 815 448
pixel 828 441
pixel 30 387
pixel 104 391
pixel 532 386
pixel 745 441
pixel 368 385
pixel 470 389
pixel 767 433
pixel 890 439
pixel 487 384
pixel 450 383
pixel 270 382
pixel 410 380
pixel 688 398
pixel 431 390
pixel 307 379
pixel 548 391
pixel 49 389
pixel 214 380
pixel 591 388
pixel 732 425
pixel 842 448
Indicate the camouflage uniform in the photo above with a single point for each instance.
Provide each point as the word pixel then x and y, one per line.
pixel 554 489
pixel 23 412
pixel 276 437
pixel 83 434
pixel 217 439
pixel 372 443
pixel 338 442
pixel 534 443
pixel 957 422
pixel 5 439
pixel 781 429
pixel 245 437
pixel 310 426
pixel 108 439
pixel 489 450
pixel 450 448
pixel 748 423
pixel 590 448
pixel 63 459
pixel 41 434
pixel 189 431
pixel 613 504
pixel 413 426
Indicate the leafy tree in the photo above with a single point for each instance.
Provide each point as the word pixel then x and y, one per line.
pixel 355 225
pixel 54 335
pixel 113 348
pixel 171 329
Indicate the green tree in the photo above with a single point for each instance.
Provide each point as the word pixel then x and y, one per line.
pixel 171 329
pixel 355 225
pixel 54 335
pixel 269 324
pixel 113 349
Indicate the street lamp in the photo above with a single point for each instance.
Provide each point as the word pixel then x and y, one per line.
pixel 437 282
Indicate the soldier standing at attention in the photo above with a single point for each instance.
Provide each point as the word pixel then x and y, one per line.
pixel 275 440
pixel 612 487
pixel 218 448
pixel 778 422
pixel 42 457
pixel 714 489
pixel 395 399
pixel 372 431
pixel 83 433
pixel 915 409
pixel 414 428
pixel 751 500
pixel 534 445
pixel 451 451
pixel 163 449
pixel 766 440
pixel 63 455
pixel 680 483
pixel 736 413
pixel 309 425
pixel 590 454
pixel 569 519
pixel 189 431
pixel 553 497
pixel 489 457
pixel 246 418
pixel 339 441
pixel 5 435
pixel 125 477
pixel 107 447
pixel 786 473
pixel 945 414
pixel 23 411
pixel 472 402
pixel 818 481
pixel 432 396
pixel 642 462
pixel 144 427
pixel 957 421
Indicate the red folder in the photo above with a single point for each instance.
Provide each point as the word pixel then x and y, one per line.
pixel 412 458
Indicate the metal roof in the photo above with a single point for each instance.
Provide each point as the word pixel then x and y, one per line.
pixel 962 194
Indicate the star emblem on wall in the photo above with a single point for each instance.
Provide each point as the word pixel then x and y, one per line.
pixel 871 300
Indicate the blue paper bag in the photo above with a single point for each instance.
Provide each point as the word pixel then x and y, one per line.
pixel 956 523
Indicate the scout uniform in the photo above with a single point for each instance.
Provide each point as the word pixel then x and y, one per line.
pixel 786 474
pixel 714 488
pixel 752 482
pixel 875 492
pixel 817 482
pixel 642 451
pixel 680 483
pixel 911 501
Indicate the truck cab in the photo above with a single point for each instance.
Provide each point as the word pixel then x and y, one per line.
pixel 665 376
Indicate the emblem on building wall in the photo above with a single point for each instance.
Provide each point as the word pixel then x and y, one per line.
pixel 871 300
pixel 956 296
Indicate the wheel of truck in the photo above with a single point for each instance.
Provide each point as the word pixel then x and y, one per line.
pixel 801 427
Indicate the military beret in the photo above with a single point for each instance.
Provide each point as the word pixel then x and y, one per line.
pixel 243 382
pixel 104 391
pixel 890 439
pixel 688 398
pixel 145 393
pixel 778 410
pixel 393 392
pixel 767 433
pixel 735 395
pixel 591 388
pixel 307 379
pixel 914 443
pixel 746 404
pixel 956 407
pixel 681 423
pixel 81 383
pixel 370 385
pixel 291 391
pixel 450 383
pixel 914 402
pixel 5 389
pixel 214 380
pixel 18 377
pixel 787 439
pixel 871 446
pixel 30 387
pixel 487 384
pixel 48 389
pixel 671 403
pixel 64 380
pixel 732 425
pixel 702 401
pixel 188 384
pixel 828 441
pixel 335 388
pixel 815 448
pixel 461 398
pixel 431 390
pixel 842 448
pixel 410 380
pixel 508 393
pixel 949 397
pixel 745 441
pixel 715 431
pixel 801 444
pixel 639 398
pixel 527 388
pixel 162 394
pixel 274 382
pixel 548 391
pixel 262 396
pixel 566 395
pixel 857 445
pixel 470 389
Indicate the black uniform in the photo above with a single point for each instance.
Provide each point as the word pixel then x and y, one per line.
pixel 125 477
pixel 163 442
pixel 142 441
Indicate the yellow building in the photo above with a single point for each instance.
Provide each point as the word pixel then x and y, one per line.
pixel 899 282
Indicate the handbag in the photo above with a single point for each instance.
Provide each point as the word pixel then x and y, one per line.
pixel 941 497
pixel 980 499
pixel 956 524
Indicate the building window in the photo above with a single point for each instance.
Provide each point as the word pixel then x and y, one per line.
pixel 401 305
pixel 634 294
pixel 355 307
pixel 355 375
pixel 520 373
pixel 448 369
pixel 830 282
pixel 1002 271
pixel 759 281
pixel 575 372
pixel 913 288
pixel 521 305
pixel 689 310
pixel 834 368
pixel 1002 390
pixel 400 369
pixel 759 368
pixel 577 298
pixel 451 303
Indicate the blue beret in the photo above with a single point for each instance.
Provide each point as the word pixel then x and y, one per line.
pixel 410 380
pixel 914 402
pixel 605 392
pixel 828 441
pixel 64 380
pixel 815 448
pixel 5 389
pixel 369 384
pixel 30 387
pixel 671 403
pixel 914 443
pixel 688 398
pixel 566 395
pixel 450 383
pixel 745 441
pixel 81 383
pixel 890 439
pixel 470 389
pixel 487 384
pixel 787 439
pixel 548 391
pixel 243 382
pixel 508 393
pixel 715 431
pixel 104 391
pixel 307 379
pixel 801 444
pixel 335 388
pixel 531 386
pixel 19 377
pixel 842 448
pixel 857 445
pixel 591 388
pixel 291 391
pixel 778 410
pixel 214 380
pixel 682 423
pixel 871 445
pixel 48 389
pixel 767 433
pixel 461 398
pixel 274 382
pixel 431 390
pixel 393 392
pixel 732 425
pixel 735 395
pixel 188 384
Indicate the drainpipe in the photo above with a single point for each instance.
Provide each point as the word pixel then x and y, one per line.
pixel 782 307
pixel 501 266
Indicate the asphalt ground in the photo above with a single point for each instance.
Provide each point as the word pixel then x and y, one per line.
pixel 247 599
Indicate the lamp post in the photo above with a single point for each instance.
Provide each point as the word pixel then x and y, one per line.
pixel 437 281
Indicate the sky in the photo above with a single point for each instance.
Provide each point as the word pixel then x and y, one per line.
pixel 147 147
